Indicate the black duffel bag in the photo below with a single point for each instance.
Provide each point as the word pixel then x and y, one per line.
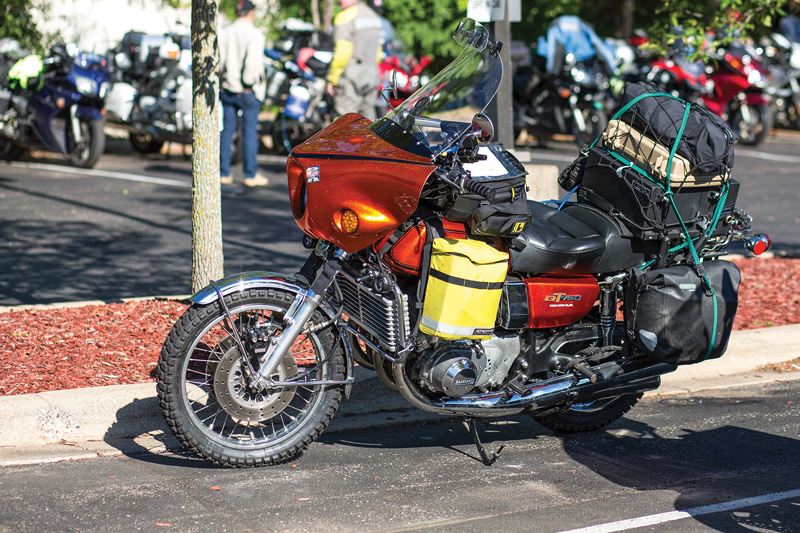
pixel 669 312
pixel 707 141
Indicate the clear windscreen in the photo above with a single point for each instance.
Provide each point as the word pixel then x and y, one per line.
pixel 434 118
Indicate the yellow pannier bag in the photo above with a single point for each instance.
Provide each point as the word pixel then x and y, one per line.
pixel 465 281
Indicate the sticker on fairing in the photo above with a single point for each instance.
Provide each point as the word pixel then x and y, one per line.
pixel 313 174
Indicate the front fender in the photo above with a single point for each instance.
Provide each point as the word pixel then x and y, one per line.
pixel 244 281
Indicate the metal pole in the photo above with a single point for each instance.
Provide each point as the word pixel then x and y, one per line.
pixel 500 110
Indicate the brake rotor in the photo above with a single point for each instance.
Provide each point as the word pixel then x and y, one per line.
pixel 245 403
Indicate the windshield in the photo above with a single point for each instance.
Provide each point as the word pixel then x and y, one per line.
pixel 435 117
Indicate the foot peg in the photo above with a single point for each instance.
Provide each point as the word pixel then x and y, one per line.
pixel 487 460
pixel 519 388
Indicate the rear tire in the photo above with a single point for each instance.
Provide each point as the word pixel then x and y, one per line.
pixel 589 416
pixel 144 143
pixel 754 131
pixel 203 390
pixel 595 121
pixel 86 153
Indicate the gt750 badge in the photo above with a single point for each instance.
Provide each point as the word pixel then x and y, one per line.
pixel 313 174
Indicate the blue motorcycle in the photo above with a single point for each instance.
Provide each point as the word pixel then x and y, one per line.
pixel 56 104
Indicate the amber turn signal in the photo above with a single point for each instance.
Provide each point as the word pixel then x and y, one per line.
pixel 349 222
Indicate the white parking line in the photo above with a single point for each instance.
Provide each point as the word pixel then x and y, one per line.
pixel 769 157
pixel 105 174
pixel 651 520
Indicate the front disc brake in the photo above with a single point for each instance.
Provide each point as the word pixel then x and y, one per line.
pixel 245 403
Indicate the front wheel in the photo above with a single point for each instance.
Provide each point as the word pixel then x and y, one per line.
pixel 9 151
pixel 752 123
pixel 84 154
pixel 204 391
pixel 589 416
pixel 588 124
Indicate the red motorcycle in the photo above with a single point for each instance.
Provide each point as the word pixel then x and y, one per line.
pixel 430 268
pixel 738 96
pixel 408 72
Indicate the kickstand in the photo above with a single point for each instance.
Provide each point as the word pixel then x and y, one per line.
pixel 469 423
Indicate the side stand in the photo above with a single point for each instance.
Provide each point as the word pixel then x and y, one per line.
pixel 469 423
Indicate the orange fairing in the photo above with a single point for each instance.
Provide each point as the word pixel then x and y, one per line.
pixel 346 167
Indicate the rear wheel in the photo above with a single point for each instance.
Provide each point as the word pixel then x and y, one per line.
pixel 204 391
pixel 589 416
pixel 144 143
pixel 84 154
pixel 752 123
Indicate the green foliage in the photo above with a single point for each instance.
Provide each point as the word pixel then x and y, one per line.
pixel 426 27
pixel 16 21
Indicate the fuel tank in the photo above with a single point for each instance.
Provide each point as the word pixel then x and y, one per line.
pixel 347 170
pixel 405 255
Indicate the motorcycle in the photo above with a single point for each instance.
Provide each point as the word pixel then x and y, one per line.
pixel 56 105
pixel 570 92
pixel 782 59
pixel 403 283
pixel 152 93
pixel 404 69
pixel 296 70
pixel 738 95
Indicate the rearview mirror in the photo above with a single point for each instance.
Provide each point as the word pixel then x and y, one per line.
pixel 482 128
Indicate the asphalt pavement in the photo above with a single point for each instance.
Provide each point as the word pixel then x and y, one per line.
pixel 125 419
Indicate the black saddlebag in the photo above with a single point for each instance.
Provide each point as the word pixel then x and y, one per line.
pixel 642 204
pixel 670 314
pixel 507 214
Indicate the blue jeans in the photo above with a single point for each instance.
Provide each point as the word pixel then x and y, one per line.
pixel 250 107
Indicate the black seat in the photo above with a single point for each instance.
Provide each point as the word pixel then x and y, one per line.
pixel 556 242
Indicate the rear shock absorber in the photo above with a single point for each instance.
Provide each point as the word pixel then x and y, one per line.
pixel 608 306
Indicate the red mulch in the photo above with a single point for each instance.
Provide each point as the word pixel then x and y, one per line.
pixel 118 344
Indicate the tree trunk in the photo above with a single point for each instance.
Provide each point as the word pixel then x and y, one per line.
pixel 327 16
pixel 315 19
pixel 625 28
pixel 207 259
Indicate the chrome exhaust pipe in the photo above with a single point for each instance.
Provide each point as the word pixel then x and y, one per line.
pixel 541 396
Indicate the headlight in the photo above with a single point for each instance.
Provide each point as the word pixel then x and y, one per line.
pixel 105 87
pixel 86 86
pixel 755 78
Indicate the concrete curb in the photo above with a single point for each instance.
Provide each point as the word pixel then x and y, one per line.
pixel 127 411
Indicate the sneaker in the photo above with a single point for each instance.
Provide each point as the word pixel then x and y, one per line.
pixel 226 180
pixel 256 181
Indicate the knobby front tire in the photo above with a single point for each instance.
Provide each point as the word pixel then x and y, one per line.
pixel 203 391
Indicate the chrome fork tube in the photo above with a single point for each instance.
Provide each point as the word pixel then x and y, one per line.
pixel 299 314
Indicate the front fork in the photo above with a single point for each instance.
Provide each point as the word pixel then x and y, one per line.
pixel 295 320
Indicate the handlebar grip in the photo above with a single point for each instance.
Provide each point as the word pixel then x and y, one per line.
pixel 481 190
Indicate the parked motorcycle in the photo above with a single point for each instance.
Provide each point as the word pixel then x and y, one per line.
pixel 405 70
pixel 152 92
pixel 296 83
pixel 567 89
pixel 430 268
pixel 56 104
pixel 782 60
pixel 739 79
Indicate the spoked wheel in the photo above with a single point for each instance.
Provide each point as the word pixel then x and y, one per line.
pixel 204 390
pixel 752 123
pixel 589 416
pixel 84 154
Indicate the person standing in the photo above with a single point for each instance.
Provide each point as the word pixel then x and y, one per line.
pixel 353 75
pixel 242 86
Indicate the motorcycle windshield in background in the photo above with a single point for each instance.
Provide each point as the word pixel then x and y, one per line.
pixel 435 117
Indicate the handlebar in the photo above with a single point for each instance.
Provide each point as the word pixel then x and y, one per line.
pixel 473 186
